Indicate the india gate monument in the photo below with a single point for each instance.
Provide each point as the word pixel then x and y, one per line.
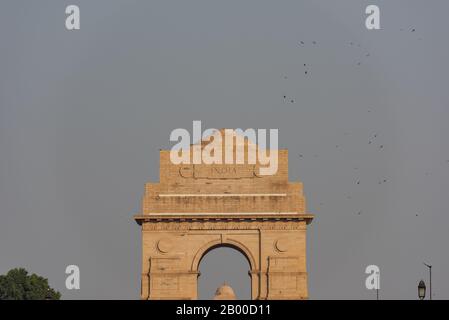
pixel 195 208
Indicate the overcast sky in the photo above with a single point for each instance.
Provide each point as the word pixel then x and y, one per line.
pixel 84 113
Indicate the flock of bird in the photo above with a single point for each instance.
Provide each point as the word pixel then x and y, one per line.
pixel 306 67
pixel 372 138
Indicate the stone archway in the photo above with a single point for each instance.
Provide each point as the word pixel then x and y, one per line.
pixel 197 207
pixel 237 245
pixel 225 240
pixel 224 265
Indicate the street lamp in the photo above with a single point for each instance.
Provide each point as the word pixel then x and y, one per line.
pixel 430 278
pixel 421 290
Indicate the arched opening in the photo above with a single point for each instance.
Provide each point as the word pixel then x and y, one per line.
pixel 224 264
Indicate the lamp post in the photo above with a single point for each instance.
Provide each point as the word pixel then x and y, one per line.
pixel 430 278
pixel 421 290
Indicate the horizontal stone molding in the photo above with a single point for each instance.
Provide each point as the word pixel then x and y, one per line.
pixel 222 195
pixel 154 225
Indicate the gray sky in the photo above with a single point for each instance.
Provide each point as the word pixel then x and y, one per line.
pixel 83 114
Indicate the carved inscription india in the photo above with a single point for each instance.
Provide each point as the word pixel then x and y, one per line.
pixel 218 171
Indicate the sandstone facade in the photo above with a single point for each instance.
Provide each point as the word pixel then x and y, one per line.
pixel 196 208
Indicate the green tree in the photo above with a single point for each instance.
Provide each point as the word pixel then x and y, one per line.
pixel 18 285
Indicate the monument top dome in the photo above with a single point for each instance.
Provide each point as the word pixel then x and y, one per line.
pixel 224 292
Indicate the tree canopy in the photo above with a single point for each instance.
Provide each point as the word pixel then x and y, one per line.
pixel 18 285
